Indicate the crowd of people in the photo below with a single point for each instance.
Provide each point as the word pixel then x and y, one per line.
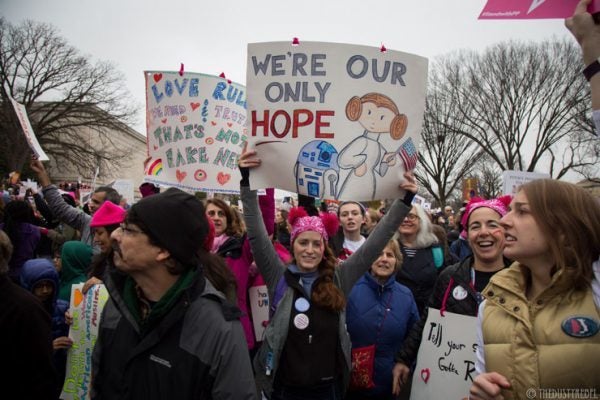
pixel 350 291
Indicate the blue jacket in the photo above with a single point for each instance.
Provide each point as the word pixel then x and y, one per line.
pixel 40 269
pixel 34 271
pixel 365 311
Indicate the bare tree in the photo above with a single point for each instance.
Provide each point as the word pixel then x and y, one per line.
pixel 489 177
pixel 526 105
pixel 64 94
pixel 446 157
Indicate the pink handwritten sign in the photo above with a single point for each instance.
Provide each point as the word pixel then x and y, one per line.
pixel 533 9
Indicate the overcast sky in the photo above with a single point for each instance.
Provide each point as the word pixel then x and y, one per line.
pixel 211 36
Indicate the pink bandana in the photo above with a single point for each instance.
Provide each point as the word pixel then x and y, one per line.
pixel 500 205
pixel 304 224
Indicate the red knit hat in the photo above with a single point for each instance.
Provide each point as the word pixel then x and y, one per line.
pixel 108 214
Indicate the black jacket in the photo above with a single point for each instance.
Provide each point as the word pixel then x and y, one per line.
pixel 26 337
pixel 196 351
pixel 458 274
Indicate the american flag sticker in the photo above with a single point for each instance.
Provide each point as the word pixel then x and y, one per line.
pixel 409 155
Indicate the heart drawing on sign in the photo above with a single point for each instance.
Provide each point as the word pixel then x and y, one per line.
pixel 78 297
pixel 194 106
pixel 164 120
pixel 425 374
pixel 229 124
pixel 157 77
pixel 180 175
pixel 213 123
pixel 223 178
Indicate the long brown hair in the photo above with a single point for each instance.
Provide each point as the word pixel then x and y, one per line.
pixel 569 218
pixel 325 293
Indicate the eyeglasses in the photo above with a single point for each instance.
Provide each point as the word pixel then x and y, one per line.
pixel 411 217
pixel 129 231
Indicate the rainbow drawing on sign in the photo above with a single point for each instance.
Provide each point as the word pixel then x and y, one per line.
pixel 155 167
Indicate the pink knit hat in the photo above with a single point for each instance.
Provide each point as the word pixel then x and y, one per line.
pixel 326 224
pixel 500 205
pixel 108 214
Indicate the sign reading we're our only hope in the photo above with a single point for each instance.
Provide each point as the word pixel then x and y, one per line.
pixel 334 121
pixel 196 128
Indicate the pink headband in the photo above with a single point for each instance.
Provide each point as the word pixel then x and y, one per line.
pixel 326 224
pixel 500 205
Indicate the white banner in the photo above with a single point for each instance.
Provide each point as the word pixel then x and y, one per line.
pixel 28 130
pixel 446 361
pixel 334 121
pixel 86 310
pixel 196 127
pixel 513 179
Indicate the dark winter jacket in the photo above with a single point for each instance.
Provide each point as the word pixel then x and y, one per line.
pixel 195 350
pixel 27 345
pixel 368 304
pixel 419 274
pixel 29 238
pixel 41 269
pixel 460 249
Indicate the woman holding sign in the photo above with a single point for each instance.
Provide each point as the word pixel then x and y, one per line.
pixel 540 322
pixel 306 351
pixel 457 289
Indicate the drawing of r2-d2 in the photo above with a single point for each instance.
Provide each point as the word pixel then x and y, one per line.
pixel 317 171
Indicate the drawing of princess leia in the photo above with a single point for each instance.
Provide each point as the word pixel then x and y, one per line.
pixel 365 155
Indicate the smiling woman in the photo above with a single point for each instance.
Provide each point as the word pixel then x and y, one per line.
pixel 459 286
pixel 378 294
pixel 423 256
pixel 306 351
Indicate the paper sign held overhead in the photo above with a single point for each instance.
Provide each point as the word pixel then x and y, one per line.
pixel 196 131
pixel 28 130
pixel 334 121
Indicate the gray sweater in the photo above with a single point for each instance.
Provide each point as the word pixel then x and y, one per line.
pixel 74 217
pixel 272 270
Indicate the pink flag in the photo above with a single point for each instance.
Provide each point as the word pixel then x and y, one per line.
pixel 533 9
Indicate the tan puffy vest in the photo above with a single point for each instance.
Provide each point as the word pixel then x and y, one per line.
pixel 525 342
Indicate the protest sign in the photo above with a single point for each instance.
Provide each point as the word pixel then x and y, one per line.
pixel 446 361
pixel 533 9
pixel 125 189
pixel 334 121
pixel 196 131
pixel 513 179
pixel 86 310
pixel 259 306
pixel 34 145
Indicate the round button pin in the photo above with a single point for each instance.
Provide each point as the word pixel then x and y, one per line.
pixel 301 321
pixel 459 293
pixel 301 304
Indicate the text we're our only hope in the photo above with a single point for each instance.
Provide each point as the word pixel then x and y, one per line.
pixel 288 86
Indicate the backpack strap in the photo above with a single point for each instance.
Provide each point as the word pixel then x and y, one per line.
pixel 277 295
pixel 438 256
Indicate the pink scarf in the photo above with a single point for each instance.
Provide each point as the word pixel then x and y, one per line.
pixel 219 240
